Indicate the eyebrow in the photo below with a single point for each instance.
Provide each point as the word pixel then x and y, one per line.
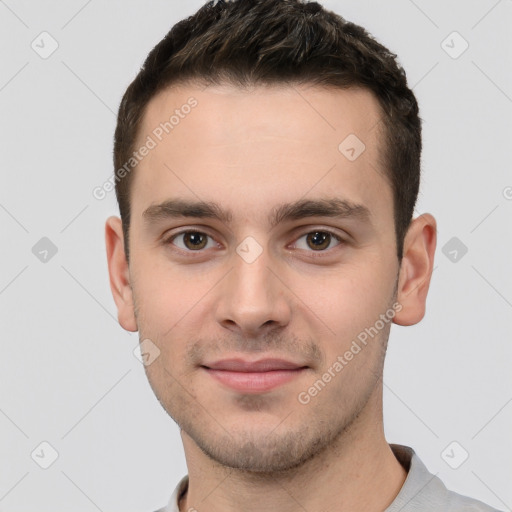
pixel 301 209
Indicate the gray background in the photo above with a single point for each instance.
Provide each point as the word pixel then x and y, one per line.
pixel 68 372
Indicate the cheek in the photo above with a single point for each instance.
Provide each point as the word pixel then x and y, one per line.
pixel 345 301
pixel 166 295
pixel 172 308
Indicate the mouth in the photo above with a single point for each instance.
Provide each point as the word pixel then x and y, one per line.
pixel 256 376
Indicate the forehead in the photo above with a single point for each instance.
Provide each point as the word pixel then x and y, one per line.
pixel 265 144
pixel 220 112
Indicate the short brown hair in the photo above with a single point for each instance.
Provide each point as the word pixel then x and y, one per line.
pixel 251 42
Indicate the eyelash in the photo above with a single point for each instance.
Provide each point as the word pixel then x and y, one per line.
pixel 314 254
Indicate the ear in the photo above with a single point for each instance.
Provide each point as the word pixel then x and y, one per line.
pixel 119 274
pixel 416 269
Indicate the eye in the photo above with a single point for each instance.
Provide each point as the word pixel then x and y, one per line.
pixel 318 240
pixel 191 240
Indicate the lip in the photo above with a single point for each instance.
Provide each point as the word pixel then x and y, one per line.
pixel 262 365
pixel 254 376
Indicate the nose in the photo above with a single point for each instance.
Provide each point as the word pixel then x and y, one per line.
pixel 253 299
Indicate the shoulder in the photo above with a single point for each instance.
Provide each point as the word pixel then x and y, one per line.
pixel 454 502
pixel 423 491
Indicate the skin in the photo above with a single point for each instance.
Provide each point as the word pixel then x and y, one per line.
pixel 251 150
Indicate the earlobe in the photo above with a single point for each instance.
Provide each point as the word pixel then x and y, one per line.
pixel 119 274
pixel 416 269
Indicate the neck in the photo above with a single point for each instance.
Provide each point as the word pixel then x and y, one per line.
pixel 358 471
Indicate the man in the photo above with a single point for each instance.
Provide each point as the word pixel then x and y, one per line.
pixel 267 164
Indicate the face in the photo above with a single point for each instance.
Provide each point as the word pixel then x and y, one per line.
pixel 264 270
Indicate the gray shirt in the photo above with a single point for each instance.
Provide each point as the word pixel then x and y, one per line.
pixel 422 491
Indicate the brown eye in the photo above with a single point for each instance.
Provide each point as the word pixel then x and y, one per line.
pixel 194 240
pixel 190 240
pixel 318 241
